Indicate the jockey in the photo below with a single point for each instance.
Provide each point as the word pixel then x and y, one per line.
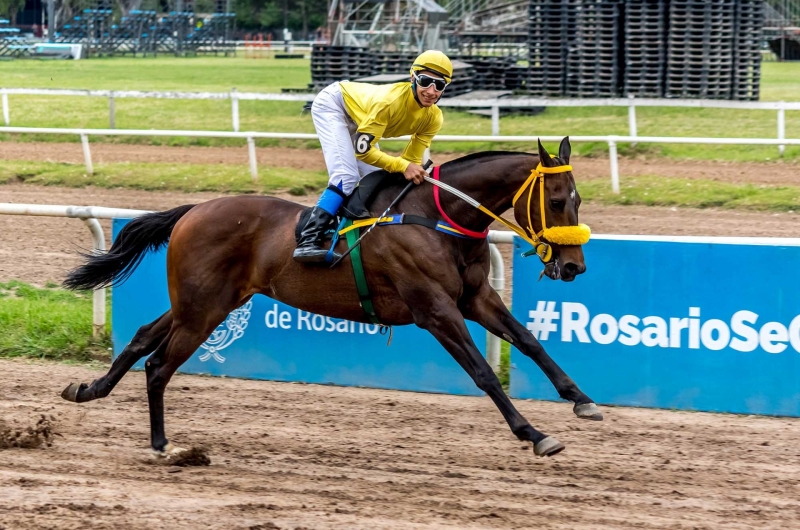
pixel 351 117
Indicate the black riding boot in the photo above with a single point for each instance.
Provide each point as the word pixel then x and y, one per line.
pixel 309 249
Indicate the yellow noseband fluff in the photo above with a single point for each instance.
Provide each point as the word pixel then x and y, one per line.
pixel 568 235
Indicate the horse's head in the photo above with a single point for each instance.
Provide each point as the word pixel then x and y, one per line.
pixel 550 214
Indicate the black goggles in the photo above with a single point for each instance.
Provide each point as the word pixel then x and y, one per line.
pixel 425 81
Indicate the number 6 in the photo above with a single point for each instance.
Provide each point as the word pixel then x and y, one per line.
pixel 363 143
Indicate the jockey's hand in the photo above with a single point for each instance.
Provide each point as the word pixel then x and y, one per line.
pixel 416 173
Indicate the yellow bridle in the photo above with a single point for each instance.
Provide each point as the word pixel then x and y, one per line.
pixel 560 235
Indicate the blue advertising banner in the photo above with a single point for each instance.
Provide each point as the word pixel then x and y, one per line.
pixel 265 339
pixel 699 324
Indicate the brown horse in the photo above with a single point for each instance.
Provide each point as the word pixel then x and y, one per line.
pixel 224 251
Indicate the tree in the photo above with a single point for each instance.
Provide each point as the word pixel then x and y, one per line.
pixel 300 16
pixel 10 8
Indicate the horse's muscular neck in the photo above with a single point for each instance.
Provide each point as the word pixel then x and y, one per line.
pixel 492 181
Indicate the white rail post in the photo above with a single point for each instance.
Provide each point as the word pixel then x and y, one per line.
pixel 612 155
pixel 87 154
pixel 495 120
pixel 112 119
pixel 235 110
pixel 251 154
pixel 497 281
pixel 632 118
pixel 781 126
pixel 99 295
pixel 5 108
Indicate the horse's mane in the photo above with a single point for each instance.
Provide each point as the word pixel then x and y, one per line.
pixel 486 154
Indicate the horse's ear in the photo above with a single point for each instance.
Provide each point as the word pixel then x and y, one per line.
pixel 564 150
pixel 544 156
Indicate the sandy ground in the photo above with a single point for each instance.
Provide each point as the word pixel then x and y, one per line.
pixel 290 456
pixel 585 168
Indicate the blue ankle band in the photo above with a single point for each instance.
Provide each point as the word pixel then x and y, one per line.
pixel 330 201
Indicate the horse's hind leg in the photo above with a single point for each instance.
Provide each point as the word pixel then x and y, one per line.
pixel 181 342
pixel 143 343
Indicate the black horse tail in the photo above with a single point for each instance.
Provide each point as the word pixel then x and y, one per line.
pixel 143 234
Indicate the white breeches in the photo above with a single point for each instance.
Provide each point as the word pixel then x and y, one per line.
pixel 336 130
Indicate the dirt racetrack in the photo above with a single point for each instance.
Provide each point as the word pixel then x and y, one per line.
pixel 291 456
pixel 771 173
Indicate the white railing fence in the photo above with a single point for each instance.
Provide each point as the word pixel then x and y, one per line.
pixel 90 215
pixel 612 141
pixel 494 104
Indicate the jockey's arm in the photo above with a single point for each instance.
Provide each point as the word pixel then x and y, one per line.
pixel 369 133
pixel 372 130
pixel 415 150
pixel 421 140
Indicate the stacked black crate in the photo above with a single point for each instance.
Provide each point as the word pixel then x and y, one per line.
pixel 645 47
pixel 700 49
pixel 517 78
pixel 594 61
pixel 335 63
pixel 490 71
pixel 392 62
pixel 464 79
pixel 551 28
pixel 746 54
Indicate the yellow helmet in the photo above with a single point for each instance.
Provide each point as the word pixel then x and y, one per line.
pixel 435 61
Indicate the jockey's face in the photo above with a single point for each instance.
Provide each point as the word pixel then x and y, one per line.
pixel 427 96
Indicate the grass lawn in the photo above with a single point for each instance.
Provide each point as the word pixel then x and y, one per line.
pixel 160 177
pixel 48 323
pixel 780 81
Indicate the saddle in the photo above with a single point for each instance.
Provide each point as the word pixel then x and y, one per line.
pixel 356 206
pixel 354 214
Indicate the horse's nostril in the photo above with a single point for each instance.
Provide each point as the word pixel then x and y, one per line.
pixel 573 269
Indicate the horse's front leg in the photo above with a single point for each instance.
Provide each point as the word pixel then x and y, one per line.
pixel 435 312
pixel 487 309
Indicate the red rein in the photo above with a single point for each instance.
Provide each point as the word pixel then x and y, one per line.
pixel 465 231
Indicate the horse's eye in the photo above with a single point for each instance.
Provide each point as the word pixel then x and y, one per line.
pixel 557 205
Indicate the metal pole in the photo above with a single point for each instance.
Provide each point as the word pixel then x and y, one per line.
pixel 612 155
pixel 51 20
pixel 497 281
pixel 235 110
pixel 5 107
pixel 783 41
pixel 99 295
pixel 781 127
pixel 632 119
pixel 495 120
pixel 111 112
pixel 251 153
pixel 87 154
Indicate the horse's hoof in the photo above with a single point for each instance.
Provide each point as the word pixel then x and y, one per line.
pixel 548 447
pixel 588 411
pixel 71 392
pixel 168 451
